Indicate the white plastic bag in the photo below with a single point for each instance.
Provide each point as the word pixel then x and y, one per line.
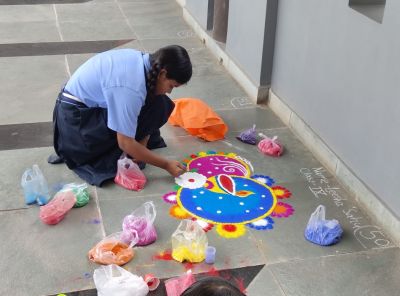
pixel 35 186
pixel 320 231
pixel 112 280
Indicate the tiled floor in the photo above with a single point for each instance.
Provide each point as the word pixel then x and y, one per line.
pixel 37 259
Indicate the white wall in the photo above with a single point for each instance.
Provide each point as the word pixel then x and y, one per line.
pixel 340 72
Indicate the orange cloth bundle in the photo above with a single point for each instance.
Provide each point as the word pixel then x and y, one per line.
pixel 198 119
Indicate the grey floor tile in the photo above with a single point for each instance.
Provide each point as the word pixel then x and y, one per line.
pixel 204 64
pixel 158 182
pixel 58 48
pixel 264 284
pixel 29 135
pixel 101 30
pixel 22 32
pixel 172 27
pixel 89 11
pixel 243 119
pixel 33 101
pixel 148 13
pixel 135 44
pixel 207 69
pixel 230 254
pixel 38 259
pixel 369 273
pixel 169 131
pixel 26 13
pixel 215 90
pixel 237 121
pixel 286 240
pixel 285 168
pixel 75 60
pixel 15 162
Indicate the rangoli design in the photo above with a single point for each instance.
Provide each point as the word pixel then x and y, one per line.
pixel 219 190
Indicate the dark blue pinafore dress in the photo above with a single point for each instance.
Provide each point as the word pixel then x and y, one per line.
pixel 84 142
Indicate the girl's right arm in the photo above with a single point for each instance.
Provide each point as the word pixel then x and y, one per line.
pixel 141 153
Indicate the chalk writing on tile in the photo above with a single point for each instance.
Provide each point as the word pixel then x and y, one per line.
pixel 239 102
pixel 366 234
pixel 185 34
pixel 364 231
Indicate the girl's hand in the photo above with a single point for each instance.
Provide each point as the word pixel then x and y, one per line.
pixel 175 168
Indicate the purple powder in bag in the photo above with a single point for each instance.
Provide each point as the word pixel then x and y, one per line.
pixel 145 230
pixel 248 136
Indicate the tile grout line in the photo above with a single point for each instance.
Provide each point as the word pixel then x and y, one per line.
pixel 62 39
pixel 103 231
pixel 362 252
pixel 57 23
pixel 11 210
pixel 276 280
pixel 128 23
pixel 67 65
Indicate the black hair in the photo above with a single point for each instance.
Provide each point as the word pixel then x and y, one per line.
pixel 212 286
pixel 175 60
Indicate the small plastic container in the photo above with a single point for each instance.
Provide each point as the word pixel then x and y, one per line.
pixel 152 281
pixel 210 255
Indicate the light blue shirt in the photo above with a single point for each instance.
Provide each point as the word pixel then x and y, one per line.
pixel 114 80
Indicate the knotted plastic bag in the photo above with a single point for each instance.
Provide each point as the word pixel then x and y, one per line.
pixel 269 146
pixel 112 250
pixel 189 242
pixel 35 186
pixel 198 119
pixel 129 175
pixel 248 136
pixel 320 231
pixel 57 208
pixel 112 280
pixel 141 222
pixel 80 191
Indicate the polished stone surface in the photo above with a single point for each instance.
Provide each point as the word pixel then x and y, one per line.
pixel 38 259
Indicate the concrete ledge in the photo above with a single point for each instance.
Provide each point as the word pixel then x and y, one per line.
pixel 256 93
pixel 367 199
pixel 181 2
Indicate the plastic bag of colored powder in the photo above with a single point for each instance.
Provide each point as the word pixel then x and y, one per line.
pixel 111 250
pixel 320 231
pixel 129 175
pixel 141 221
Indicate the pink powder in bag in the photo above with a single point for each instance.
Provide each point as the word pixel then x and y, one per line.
pixel 57 208
pixel 146 231
pixel 129 175
pixel 270 146
pixel 140 221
